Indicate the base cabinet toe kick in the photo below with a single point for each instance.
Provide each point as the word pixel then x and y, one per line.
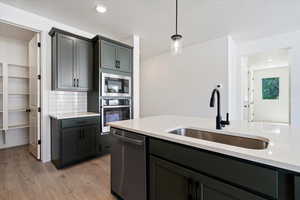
pixel 167 170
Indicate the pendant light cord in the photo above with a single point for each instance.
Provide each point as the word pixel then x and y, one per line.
pixel 176 16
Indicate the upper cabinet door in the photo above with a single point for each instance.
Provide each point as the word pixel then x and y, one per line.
pixel 123 61
pixel 84 63
pixel 108 55
pixel 65 62
pixel 115 57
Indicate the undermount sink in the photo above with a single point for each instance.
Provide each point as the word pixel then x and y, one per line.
pixel 244 142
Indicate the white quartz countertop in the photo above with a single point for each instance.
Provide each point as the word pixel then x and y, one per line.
pixel 283 150
pixel 74 115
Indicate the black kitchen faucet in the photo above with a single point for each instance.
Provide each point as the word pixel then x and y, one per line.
pixel 219 122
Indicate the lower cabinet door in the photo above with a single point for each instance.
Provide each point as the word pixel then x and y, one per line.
pixel 87 144
pixel 171 181
pixel 211 189
pixel 297 187
pixel 104 143
pixel 70 141
pixel 167 181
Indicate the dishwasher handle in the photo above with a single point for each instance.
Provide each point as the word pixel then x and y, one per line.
pixel 128 140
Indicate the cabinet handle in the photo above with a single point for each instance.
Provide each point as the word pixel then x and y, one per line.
pixel 128 140
pixel 196 190
pixel 118 63
pixel 74 82
pixel 78 82
pixel 190 189
pixel 81 134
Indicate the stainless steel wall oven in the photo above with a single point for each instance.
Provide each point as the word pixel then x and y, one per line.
pixel 113 109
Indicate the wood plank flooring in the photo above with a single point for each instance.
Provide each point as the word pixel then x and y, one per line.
pixel 24 178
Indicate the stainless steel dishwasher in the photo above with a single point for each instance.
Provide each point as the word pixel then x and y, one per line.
pixel 128 165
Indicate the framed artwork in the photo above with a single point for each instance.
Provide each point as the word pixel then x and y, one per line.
pixel 270 88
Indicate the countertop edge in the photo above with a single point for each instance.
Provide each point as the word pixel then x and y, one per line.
pixel 60 117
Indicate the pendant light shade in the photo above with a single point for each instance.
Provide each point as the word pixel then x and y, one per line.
pixel 176 39
pixel 176 44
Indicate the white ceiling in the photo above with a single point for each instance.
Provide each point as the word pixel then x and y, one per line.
pixel 10 31
pixel 153 20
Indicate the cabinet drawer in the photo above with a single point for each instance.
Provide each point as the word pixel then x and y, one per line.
pixel 67 123
pixel 243 174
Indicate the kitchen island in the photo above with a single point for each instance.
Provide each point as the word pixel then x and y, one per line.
pixel 180 167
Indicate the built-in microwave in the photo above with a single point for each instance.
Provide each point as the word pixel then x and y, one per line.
pixel 116 85
pixel 114 110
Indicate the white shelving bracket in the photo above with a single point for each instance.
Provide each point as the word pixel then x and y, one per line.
pixel 5 96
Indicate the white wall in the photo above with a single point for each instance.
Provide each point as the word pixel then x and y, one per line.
pixel 233 79
pixel 136 76
pixel 242 89
pixel 288 40
pixel 274 110
pixel 183 84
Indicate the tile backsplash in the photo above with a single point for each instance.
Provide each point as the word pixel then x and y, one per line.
pixel 67 102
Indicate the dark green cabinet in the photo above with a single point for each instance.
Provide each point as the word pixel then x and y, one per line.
pixel 216 176
pixel 256 178
pixel 87 142
pixel 73 140
pixel 116 57
pixel 66 72
pixel 84 63
pixel 70 144
pixel 108 56
pixel 297 187
pixel 72 62
pixel 123 62
pixel 171 181
pixel 104 143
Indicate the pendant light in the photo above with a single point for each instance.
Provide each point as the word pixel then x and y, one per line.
pixel 176 42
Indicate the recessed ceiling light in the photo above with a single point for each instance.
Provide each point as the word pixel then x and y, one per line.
pixel 101 9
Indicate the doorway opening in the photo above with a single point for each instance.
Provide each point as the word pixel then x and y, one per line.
pixel 20 88
pixel 267 87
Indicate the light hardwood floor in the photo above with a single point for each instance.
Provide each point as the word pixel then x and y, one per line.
pixel 24 178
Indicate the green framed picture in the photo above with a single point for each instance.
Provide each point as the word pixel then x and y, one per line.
pixel 270 88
